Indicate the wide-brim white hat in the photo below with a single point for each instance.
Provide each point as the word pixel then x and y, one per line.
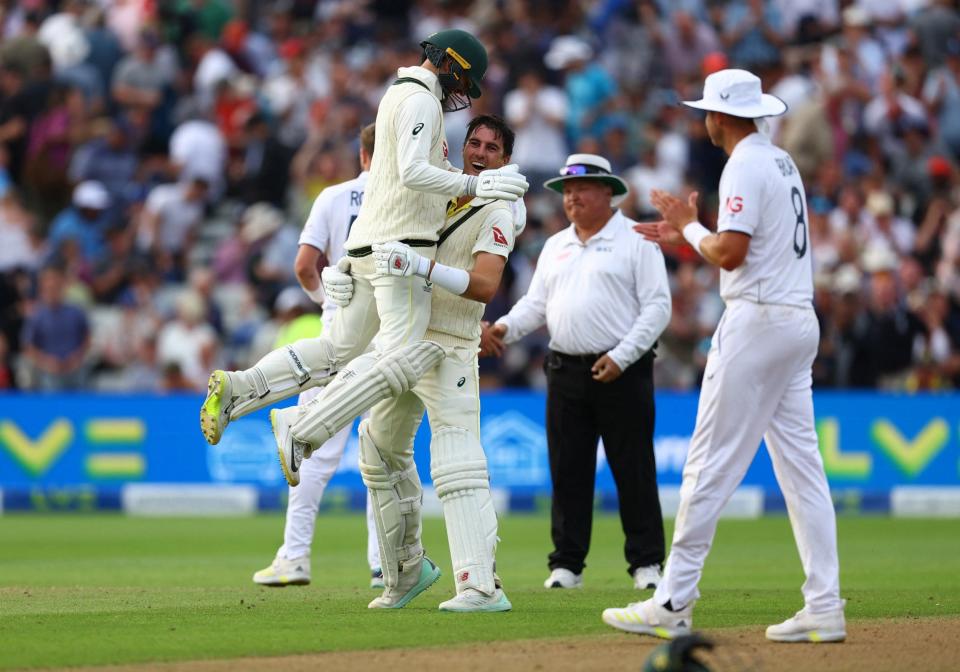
pixel 737 93
pixel 565 50
pixel 590 167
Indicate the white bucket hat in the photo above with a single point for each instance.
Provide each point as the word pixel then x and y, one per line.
pixel 91 194
pixel 737 93
pixel 565 50
pixel 593 167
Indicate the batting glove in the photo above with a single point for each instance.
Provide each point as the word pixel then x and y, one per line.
pixel 519 217
pixel 396 258
pixel 338 283
pixel 505 184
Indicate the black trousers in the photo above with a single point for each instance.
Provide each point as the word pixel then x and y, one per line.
pixel 579 411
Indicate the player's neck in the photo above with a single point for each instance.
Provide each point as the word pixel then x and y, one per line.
pixel 733 138
pixel 463 200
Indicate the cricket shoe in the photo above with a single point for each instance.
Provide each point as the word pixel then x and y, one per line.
pixel 650 618
pixel 376 578
pixel 215 412
pixel 472 600
pixel 289 450
pixel 413 581
pixel 805 626
pixel 283 572
pixel 647 578
pixel 563 578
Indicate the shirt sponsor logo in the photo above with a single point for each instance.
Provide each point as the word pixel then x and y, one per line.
pixel 734 204
pixel 418 128
pixel 498 237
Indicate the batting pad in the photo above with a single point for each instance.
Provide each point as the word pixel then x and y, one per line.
pixel 396 508
pixel 368 379
pixel 282 373
pixel 459 470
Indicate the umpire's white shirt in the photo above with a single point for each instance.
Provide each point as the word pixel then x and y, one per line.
pixel 762 195
pixel 608 294
pixel 329 222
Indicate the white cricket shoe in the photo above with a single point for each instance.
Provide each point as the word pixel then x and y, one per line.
pixel 647 578
pixel 472 600
pixel 563 578
pixel 650 618
pixel 413 581
pixel 283 572
pixel 289 450
pixel 827 626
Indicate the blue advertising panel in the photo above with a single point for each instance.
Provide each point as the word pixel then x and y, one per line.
pixel 870 443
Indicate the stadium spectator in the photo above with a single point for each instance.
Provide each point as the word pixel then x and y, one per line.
pixel 537 113
pixel 84 222
pixel 56 337
pixel 187 346
pixel 169 222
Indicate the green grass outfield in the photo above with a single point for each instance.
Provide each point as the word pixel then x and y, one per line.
pixel 97 589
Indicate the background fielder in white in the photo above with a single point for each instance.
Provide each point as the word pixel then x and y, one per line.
pixel 322 239
pixel 757 382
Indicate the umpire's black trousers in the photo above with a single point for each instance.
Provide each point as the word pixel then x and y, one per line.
pixel 579 411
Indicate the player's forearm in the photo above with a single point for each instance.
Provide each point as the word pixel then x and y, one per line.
pixel 711 246
pixel 420 175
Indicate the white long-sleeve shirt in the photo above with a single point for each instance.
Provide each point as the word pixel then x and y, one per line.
pixel 609 294
pixel 411 179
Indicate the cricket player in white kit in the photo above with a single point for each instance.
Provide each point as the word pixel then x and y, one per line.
pixel 410 182
pixel 757 382
pixel 478 237
pixel 322 238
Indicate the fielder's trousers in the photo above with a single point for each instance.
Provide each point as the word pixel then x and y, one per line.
pixel 581 410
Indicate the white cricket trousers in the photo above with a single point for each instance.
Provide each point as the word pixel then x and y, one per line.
pixel 757 384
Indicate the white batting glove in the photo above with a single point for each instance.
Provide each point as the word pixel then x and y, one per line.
pixel 505 184
pixel 337 282
pixel 519 217
pixel 398 259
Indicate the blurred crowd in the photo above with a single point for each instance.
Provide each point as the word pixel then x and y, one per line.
pixel 158 159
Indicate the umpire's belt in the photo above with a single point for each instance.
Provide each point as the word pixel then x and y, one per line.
pixel 366 250
pixel 589 360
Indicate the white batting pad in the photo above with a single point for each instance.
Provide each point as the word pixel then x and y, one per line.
pixel 459 471
pixel 366 380
pixel 282 373
pixel 396 499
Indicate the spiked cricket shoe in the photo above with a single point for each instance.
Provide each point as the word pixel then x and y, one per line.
pixel 471 600
pixel 413 581
pixel 646 578
pixel 828 626
pixel 215 412
pixel 562 577
pixel 649 618
pixel 283 572
pixel 289 450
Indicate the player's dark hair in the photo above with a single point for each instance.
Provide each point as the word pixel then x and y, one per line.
pixel 496 124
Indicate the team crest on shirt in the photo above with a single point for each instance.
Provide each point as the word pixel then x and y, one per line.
pixel 498 237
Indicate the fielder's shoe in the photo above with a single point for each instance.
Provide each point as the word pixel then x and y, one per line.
pixel 563 578
pixel 215 412
pixel 828 626
pixel 283 572
pixel 646 578
pixel 413 581
pixel 650 618
pixel 376 578
pixel 289 450
pixel 471 600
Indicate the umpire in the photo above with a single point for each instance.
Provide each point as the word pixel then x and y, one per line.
pixel 602 292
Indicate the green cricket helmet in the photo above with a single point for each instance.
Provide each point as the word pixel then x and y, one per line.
pixel 468 61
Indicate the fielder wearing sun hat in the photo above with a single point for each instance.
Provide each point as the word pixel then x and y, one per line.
pixel 737 93
pixel 593 167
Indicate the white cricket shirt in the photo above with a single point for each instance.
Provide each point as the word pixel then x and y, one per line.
pixel 762 195
pixel 609 294
pixel 330 219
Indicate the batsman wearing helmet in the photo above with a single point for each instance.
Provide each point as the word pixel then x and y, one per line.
pixel 409 185
pixel 478 237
